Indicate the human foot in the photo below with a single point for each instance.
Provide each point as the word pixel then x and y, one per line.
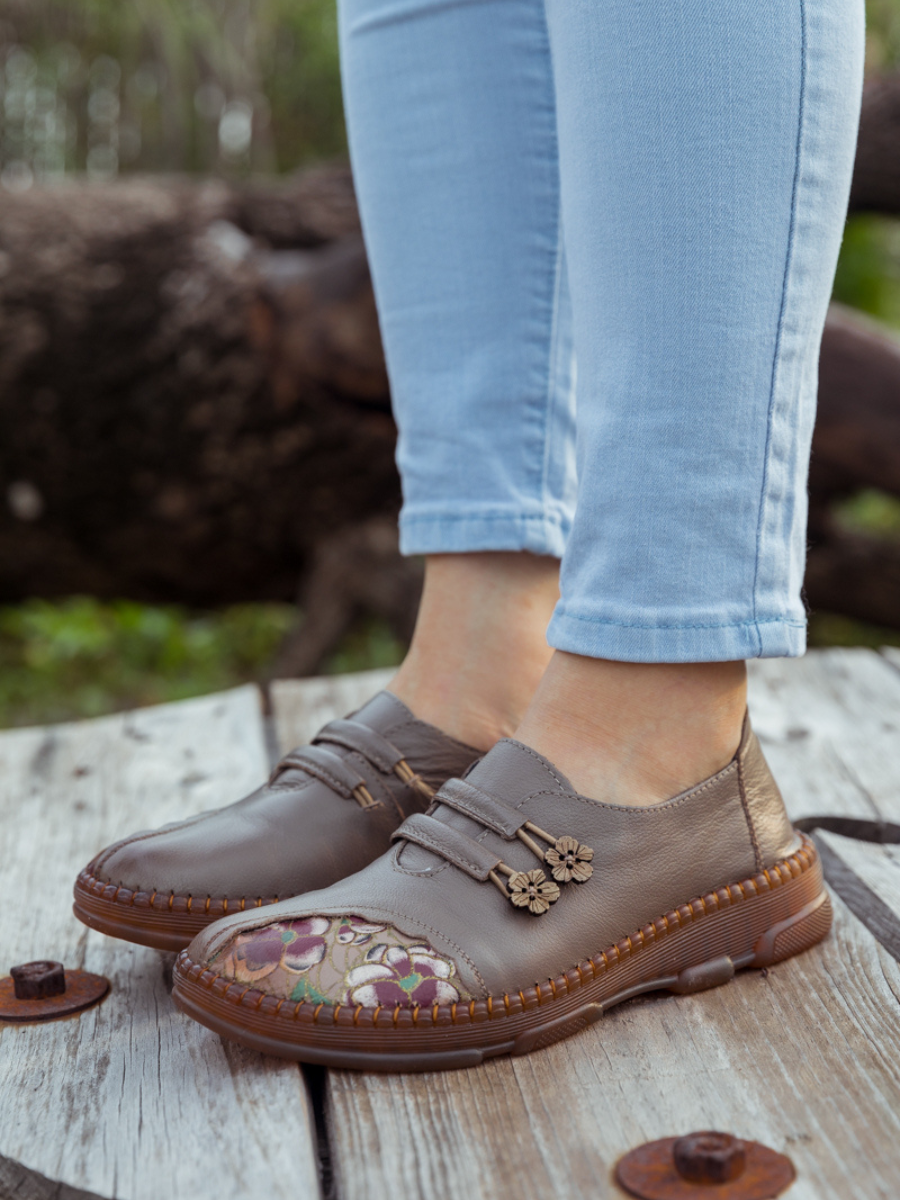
pixel 636 733
pixel 512 915
pixel 327 810
pixel 480 647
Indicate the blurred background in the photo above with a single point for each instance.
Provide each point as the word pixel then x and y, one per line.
pixel 195 436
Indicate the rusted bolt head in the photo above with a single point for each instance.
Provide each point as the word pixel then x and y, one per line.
pixel 38 980
pixel 709 1157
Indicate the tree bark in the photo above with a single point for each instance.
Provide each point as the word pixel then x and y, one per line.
pixel 876 171
pixel 184 412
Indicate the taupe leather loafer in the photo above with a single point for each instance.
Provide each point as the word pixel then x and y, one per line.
pixel 511 915
pixel 328 810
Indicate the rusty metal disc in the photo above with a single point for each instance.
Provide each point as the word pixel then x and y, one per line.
pixel 82 990
pixel 649 1172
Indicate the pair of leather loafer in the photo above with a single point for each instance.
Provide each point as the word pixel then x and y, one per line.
pixel 388 902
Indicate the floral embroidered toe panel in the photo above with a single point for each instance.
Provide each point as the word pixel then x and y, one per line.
pixel 341 960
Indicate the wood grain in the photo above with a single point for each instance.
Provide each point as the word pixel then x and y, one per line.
pixel 131 1099
pixel 804 1057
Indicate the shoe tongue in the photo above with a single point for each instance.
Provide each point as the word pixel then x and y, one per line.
pixel 508 772
pixel 512 770
pixel 383 713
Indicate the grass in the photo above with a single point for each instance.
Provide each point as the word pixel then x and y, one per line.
pixel 80 657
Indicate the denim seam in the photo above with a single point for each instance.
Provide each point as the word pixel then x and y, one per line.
pixel 542 518
pixel 549 397
pixel 554 314
pixel 661 625
pixel 776 359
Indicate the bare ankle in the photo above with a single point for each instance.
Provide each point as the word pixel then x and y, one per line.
pixel 479 649
pixel 636 733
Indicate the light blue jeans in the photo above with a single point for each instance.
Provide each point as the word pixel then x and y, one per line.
pixel 654 190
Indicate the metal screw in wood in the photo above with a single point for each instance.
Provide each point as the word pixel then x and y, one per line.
pixel 44 990
pixel 717 1166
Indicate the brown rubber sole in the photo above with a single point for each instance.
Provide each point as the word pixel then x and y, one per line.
pixel 755 923
pixel 158 919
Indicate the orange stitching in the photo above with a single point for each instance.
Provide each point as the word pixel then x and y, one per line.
pixel 171 901
pixel 804 858
pixel 208 898
pixel 490 1007
pixel 375 1014
pixel 334 1015
pixel 297 1008
pixel 278 1006
pixel 190 901
pixel 243 902
pixel 434 1013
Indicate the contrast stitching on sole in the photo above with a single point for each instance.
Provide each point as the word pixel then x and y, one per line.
pixel 124 898
pixel 500 1007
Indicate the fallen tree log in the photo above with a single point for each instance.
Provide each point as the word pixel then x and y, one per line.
pixel 194 407
pixel 185 412
pixel 876 170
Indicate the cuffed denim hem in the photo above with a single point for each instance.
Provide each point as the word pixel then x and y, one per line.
pixel 498 528
pixel 677 643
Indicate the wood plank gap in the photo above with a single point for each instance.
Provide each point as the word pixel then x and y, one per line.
pixel 865 905
pixel 22 1183
pixel 315 1077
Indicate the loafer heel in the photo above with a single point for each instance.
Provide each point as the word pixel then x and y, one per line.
pixel 796 933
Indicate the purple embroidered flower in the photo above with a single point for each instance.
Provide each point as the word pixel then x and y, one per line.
pixel 355 931
pixel 304 945
pixel 393 975
pixel 293 945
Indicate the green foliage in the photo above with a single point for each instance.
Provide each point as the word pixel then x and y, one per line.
pixel 68 659
pixel 368 646
pixel 213 86
pixel 868 273
pixel 830 629
pixel 870 511
pixel 82 657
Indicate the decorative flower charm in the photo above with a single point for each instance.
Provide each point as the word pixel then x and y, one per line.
pixel 568 859
pixel 409 975
pixel 295 946
pixel 532 890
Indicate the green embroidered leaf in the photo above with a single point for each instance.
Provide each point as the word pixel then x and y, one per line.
pixel 304 990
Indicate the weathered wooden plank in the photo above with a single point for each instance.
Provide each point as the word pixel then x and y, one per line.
pixel 132 1099
pixel 830 727
pixel 877 866
pixel 803 1057
pixel 301 707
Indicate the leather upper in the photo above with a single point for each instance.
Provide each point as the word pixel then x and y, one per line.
pixel 298 832
pixel 645 862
